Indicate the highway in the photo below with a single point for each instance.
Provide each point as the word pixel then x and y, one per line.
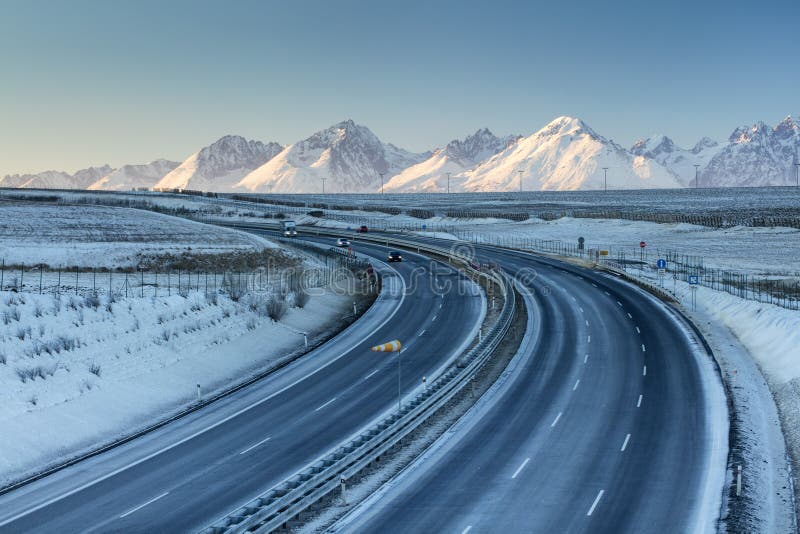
pixel 612 420
pixel 185 475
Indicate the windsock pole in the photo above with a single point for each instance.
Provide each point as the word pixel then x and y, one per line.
pixel 394 346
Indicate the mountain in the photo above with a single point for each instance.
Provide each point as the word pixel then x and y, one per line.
pixel 455 158
pixel 680 162
pixel 348 156
pixel 756 155
pixel 566 155
pixel 219 166
pixel 56 179
pixel 134 176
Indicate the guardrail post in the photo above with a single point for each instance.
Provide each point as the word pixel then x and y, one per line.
pixel 342 482
pixel 199 396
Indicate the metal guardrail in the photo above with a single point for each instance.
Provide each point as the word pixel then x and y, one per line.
pixel 285 501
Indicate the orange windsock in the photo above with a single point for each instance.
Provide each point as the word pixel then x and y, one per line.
pixel 392 346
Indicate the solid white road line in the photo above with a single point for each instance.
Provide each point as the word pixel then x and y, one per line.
pixel 638 331
pixel 469 527
pixel 644 371
pixel 625 443
pixel 556 420
pixel 327 403
pixel 578 381
pixel 521 467
pixel 643 349
pixel 596 500
pixel 372 373
pixel 251 447
pixel 151 501
pixel 639 402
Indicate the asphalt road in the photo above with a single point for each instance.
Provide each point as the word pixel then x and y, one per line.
pixel 187 474
pixel 610 422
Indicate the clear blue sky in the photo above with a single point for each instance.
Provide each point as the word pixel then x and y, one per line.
pixel 93 81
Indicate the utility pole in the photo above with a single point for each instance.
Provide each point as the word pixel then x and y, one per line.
pixel 382 182
pixel 605 178
pixel 323 185
pixel 448 183
pixel 696 175
pixel 797 174
pixel 520 180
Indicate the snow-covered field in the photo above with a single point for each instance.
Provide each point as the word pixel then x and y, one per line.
pixel 99 236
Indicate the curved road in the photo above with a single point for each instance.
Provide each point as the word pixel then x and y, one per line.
pixel 612 420
pixel 187 474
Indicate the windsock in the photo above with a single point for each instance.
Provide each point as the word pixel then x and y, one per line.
pixel 392 346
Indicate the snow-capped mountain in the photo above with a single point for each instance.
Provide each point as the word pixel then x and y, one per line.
pixel 56 179
pixel 680 162
pixel 756 155
pixel 455 158
pixel 566 155
pixel 134 176
pixel 348 156
pixel 219 166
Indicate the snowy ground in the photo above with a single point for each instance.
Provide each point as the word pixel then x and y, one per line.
pixel 98 236
pixel 75 373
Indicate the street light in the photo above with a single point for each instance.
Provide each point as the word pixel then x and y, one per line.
pixel 323 185
pixel 448 183
pixel 797 174
pixel 696 175
pixel 605 178
pixel 520 180
pixel 382 182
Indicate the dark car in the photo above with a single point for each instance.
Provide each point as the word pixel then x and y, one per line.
pixel 363 229
pixel 395 256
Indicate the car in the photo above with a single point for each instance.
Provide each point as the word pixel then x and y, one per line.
pixel 343 242
pixel 363 229
pixel 395 256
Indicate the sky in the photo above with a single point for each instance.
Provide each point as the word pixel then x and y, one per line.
pixel 87 82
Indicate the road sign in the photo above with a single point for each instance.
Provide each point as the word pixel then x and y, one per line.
pixel 424 226
pixel 642 244
pixel 581 241
pixel 604 253
pixel 694 280
pixel 661 264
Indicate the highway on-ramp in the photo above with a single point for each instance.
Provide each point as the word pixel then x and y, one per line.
pixel 188 473
pixel 613 419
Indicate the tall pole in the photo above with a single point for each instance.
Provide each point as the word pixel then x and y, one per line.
pixel 696 175
pixel 520 180
pixel 323 185
pixel 399 394
pixel 797 175
pixel 382 182
pixel 448 183
pixel 605 178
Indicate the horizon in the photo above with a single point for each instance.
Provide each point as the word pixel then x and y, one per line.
pixel 94 83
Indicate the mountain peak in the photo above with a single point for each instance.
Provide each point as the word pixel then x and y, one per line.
pixel 653 146
pixel 704 143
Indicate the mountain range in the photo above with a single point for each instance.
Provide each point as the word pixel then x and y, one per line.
pixel 566 154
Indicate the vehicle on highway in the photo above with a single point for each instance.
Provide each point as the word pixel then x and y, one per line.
pixel 395 256
pixel 343 242
pixel 289 228
pixel 363 229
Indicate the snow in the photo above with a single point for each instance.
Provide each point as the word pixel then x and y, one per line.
pixel 130 177
pixel 110 369
pixel 98 236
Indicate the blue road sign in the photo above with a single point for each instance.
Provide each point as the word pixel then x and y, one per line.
pixel 661 264
pixel 694 280
pixel 424 226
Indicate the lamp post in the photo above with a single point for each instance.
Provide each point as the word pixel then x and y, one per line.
pixel 382 182
pixel 696 175
pixel 448 183
pixel 520 180
pixel 323 185
pixel 797 174
pixel 605 178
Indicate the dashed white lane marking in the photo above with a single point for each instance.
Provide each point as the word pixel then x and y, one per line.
pixel 638 331
pixel 630 316
pixel 469 527
pixel 372 373
pixel 594 285
pixel 151 501
pixel 625 443
pixel 521 467
pixel 581 309
pixel 578 381
pixel 589 339
pixel 639 402
pixel 587 323
pixel 573 298
pixel 434 317
pixel 555 421
pixel 327 403
pixel 607 293
pixel 586 358
pixel 644 371
pixel 643 348
pixel 251 447
pixel 618 302
pixel 420 334
pixel 596 501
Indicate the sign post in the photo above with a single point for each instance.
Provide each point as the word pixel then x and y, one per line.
pixel 662 269
pixel 642 244
pixel 694 280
